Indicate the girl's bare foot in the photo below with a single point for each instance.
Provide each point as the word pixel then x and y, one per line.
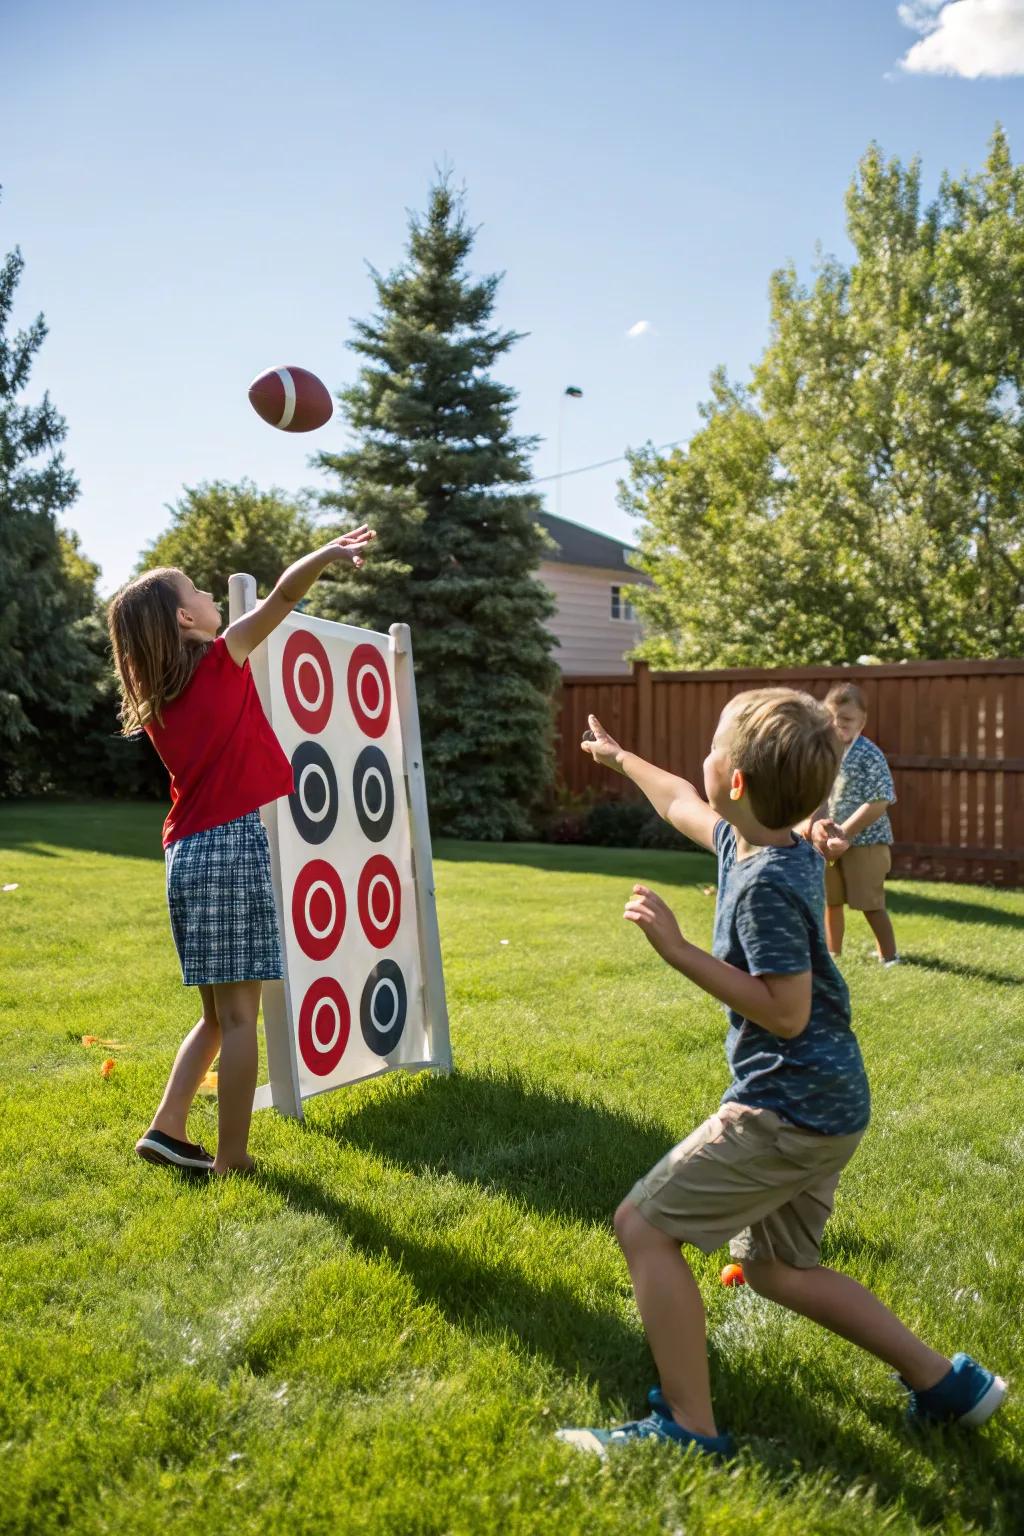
pixel 221 1170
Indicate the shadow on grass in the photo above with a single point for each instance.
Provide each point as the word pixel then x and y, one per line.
pixel 952 908
pixel 494 1300
pixel 964 969
pixel 841 1245
pixel 678 867
pixel 128 829
pixel 556 1154
pixel 572 1158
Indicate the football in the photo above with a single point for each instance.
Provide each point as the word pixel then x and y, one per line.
pixel 291 399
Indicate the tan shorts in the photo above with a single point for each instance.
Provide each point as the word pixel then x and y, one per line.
pixel 749 1178
pixel 857 880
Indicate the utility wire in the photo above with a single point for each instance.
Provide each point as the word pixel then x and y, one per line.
pixel 603 464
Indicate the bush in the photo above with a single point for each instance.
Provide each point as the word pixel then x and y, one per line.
pixel 657 833
pixel 564 827
pixel 617 823
pixel 610 824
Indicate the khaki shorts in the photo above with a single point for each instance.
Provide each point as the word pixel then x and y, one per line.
pixel 857 880
pixel 749 1178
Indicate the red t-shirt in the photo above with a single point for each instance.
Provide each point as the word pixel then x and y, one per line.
pixel 218 747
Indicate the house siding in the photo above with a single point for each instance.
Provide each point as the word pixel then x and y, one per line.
pixel 590 640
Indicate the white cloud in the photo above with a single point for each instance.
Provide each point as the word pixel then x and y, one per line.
pixel 970 38
pixel 919 15
pixel 642 328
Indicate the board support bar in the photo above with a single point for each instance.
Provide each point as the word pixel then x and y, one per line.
pixel 423 860
pixel 241 595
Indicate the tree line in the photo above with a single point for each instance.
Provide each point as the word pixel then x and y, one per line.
pixel 861 494
pixel 438 470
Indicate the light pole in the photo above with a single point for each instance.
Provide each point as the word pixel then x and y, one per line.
pixel 569 393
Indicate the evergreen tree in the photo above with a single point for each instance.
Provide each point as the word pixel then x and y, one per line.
pixel 438 471
pixel 217 528
pixel 48 668
pixel 93 757
pixel 865 495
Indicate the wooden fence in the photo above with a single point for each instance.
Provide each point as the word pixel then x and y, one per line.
pixel 953 732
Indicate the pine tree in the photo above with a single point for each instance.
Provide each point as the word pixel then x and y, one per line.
pixel 439 473
pixel 48 668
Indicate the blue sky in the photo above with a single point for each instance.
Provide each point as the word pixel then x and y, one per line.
pixel 196 190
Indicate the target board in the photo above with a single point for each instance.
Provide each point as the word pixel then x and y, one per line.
pixel 363 991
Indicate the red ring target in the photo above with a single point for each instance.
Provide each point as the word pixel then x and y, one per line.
pixel 324 1025
pixel 318 909
pixel 380 900
pixel 369 690
pixel 308 681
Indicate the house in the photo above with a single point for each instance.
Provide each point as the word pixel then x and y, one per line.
pixel 590 581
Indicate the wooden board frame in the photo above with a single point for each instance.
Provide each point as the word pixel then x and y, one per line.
pixel 283 1090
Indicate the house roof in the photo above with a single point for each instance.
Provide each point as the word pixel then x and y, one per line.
pixel 584 546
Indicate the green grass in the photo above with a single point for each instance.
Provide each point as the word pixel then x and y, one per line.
pixel 380 1334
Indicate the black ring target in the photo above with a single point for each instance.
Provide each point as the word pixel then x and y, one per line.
pixel 383 1007
pixel 314 800
pixel 373 791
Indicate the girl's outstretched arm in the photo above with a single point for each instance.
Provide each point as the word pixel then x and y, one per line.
pixel 246 633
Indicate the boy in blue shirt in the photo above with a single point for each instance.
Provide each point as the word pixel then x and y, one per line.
pixel 761 1173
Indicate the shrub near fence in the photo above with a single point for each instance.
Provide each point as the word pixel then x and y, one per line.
pixel 953 732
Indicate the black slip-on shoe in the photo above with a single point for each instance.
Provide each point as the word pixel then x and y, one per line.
pixel 169 1152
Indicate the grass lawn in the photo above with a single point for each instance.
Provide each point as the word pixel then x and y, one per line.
pixel 380 1334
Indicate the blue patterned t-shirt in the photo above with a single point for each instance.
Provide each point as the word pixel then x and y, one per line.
pixel 770 921
pixel 863 775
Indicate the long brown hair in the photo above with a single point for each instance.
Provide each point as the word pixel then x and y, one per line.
pixel 154 661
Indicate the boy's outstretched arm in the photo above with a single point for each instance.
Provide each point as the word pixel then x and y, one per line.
pixel 779 1003
pixel 246 633
pixel 674 799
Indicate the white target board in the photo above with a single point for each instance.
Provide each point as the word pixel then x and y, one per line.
pixel 363 991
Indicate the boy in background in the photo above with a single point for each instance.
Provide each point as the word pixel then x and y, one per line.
pixel 859 804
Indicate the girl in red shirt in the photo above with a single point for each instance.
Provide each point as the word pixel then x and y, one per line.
pixel 193 694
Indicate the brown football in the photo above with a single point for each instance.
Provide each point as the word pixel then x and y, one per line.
pixel 292 399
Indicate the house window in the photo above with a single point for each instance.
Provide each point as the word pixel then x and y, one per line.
pixel 622 608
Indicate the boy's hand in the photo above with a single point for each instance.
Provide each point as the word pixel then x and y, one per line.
pixel 829 839
pixel 351 545
pixel 656 922
pixel 602 747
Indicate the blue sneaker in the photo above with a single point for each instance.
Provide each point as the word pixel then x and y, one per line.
pixel 967 1394
pixel 659 1425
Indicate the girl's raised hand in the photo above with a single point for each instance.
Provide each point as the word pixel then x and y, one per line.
pixel 656 921
pixel 602 747
pixel 351 545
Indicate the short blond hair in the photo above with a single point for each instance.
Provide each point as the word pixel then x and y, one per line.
pixel 785 744
pixel 846 693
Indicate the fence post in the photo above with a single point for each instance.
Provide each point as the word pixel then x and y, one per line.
pixel 644 709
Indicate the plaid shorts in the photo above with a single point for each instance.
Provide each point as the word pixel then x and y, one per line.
pixel 221 900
